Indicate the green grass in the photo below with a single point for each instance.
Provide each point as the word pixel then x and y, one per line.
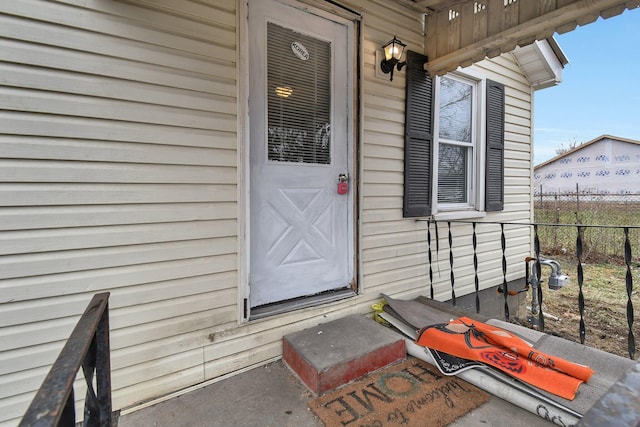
pixel 604 242
pixel 605 312
pixel 604 268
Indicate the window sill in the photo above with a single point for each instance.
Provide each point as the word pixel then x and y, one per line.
pixel 457 215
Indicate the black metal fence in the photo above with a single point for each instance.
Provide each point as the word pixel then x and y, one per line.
pixel 624 250
pixel 88 346
pixel 440 240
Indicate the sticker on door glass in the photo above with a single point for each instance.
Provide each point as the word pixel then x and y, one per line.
pixel 300 51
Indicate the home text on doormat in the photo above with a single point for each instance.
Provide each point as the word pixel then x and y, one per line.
pixel 412 393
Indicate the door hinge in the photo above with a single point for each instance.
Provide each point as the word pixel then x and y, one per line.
pixel 246 308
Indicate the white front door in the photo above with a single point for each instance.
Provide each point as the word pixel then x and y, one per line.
pixel 301 231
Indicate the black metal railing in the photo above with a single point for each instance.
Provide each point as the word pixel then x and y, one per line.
pixel 540 246
pixel 88 346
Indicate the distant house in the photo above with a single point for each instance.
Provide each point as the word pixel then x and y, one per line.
pixel 606 165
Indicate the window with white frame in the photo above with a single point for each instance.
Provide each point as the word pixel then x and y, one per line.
pixel 456 143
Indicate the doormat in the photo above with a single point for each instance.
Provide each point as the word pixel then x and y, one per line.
pixel 412 393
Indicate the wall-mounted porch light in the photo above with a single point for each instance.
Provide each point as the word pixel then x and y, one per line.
pixel 393 52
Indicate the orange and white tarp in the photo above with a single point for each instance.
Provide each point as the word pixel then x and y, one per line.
pixel 473 340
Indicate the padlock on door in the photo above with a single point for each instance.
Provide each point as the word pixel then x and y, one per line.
pixel 343 183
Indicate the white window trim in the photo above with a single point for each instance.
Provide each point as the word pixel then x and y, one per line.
pixel 476 208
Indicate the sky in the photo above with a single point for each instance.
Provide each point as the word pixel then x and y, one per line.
pixel 600 89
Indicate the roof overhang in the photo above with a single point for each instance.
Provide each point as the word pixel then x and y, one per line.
pixel 462 32
pixel 541 62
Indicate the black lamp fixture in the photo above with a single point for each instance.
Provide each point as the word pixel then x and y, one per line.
pixel 393 52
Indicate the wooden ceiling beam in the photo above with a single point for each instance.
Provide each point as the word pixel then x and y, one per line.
pixel 461 34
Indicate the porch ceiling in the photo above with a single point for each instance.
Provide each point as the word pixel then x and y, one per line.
pixel 461 32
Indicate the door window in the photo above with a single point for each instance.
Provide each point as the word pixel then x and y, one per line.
pixel 299 97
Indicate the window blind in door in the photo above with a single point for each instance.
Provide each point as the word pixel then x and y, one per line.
pixel 299 97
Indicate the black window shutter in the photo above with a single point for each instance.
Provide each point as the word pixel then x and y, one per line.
pixel 494 189
pixel 418 140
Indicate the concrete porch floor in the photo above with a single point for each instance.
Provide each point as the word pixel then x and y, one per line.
pixel 272 396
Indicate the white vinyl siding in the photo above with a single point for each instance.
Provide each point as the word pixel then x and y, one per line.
pixel 394 250
pixel 118 172
pixel 119 165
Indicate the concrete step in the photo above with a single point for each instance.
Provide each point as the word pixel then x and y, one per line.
pixel 335 353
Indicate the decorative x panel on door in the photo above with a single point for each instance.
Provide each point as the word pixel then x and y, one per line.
pixel 301 226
